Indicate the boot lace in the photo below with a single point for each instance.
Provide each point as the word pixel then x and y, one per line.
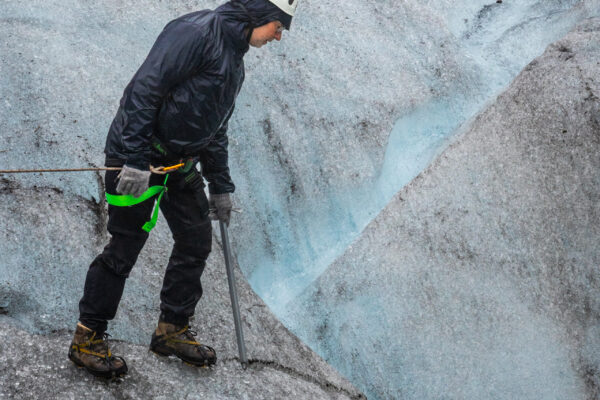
pixel 97 347
pixel 187 333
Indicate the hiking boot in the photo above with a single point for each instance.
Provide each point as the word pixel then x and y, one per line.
pixel 170 339
pixel 92 353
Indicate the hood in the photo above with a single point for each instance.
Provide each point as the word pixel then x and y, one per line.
pixel 254 13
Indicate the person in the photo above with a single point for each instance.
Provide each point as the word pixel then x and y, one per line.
pixel 175 110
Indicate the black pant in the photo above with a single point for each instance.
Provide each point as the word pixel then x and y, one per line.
pixel 185 208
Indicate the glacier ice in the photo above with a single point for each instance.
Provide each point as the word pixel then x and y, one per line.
pixel 331 123
pixel 480 278
pixel 405 76
pixel 316 192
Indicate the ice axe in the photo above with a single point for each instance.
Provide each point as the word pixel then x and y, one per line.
pixel 233 294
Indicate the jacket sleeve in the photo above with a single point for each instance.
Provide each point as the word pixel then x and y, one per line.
pixel 214 162
pixel 177 53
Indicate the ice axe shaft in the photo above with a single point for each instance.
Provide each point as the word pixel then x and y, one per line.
pixel 233 294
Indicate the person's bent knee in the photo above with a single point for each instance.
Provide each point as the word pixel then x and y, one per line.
pixel 196 240
pixel 121 254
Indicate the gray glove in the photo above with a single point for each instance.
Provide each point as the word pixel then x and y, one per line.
pixel 220 207
pixel 133 181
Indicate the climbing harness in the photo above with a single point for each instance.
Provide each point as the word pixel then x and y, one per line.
pixel 192 177
pixel 126 200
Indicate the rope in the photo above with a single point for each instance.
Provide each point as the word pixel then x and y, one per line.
pixel 22 171
pixel 154 170
pixel 158 171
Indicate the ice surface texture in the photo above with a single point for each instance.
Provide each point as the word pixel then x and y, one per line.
pixel 311 149
pixel 35 367
pixel 352 105
pixel 480 279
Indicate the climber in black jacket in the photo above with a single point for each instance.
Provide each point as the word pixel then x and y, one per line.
pixel 175 110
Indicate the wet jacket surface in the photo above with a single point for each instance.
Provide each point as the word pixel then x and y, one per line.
pixel 184 94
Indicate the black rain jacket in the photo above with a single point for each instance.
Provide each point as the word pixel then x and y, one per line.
pixel 184 93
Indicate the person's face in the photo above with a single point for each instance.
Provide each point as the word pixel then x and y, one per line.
pixel 264 34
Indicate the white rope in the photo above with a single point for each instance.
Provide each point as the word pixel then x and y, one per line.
pixel 25 171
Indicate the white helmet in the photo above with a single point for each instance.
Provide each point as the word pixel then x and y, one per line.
pixel 287 6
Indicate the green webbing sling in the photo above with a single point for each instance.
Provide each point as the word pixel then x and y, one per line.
pixel 128 200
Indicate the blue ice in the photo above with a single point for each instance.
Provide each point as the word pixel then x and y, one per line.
pixel 305 235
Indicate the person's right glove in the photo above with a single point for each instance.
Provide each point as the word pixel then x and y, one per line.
pixel 133 181
pixel 220 207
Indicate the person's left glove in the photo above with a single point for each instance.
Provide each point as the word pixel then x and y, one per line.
pixel 220 207
pixel 133 181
